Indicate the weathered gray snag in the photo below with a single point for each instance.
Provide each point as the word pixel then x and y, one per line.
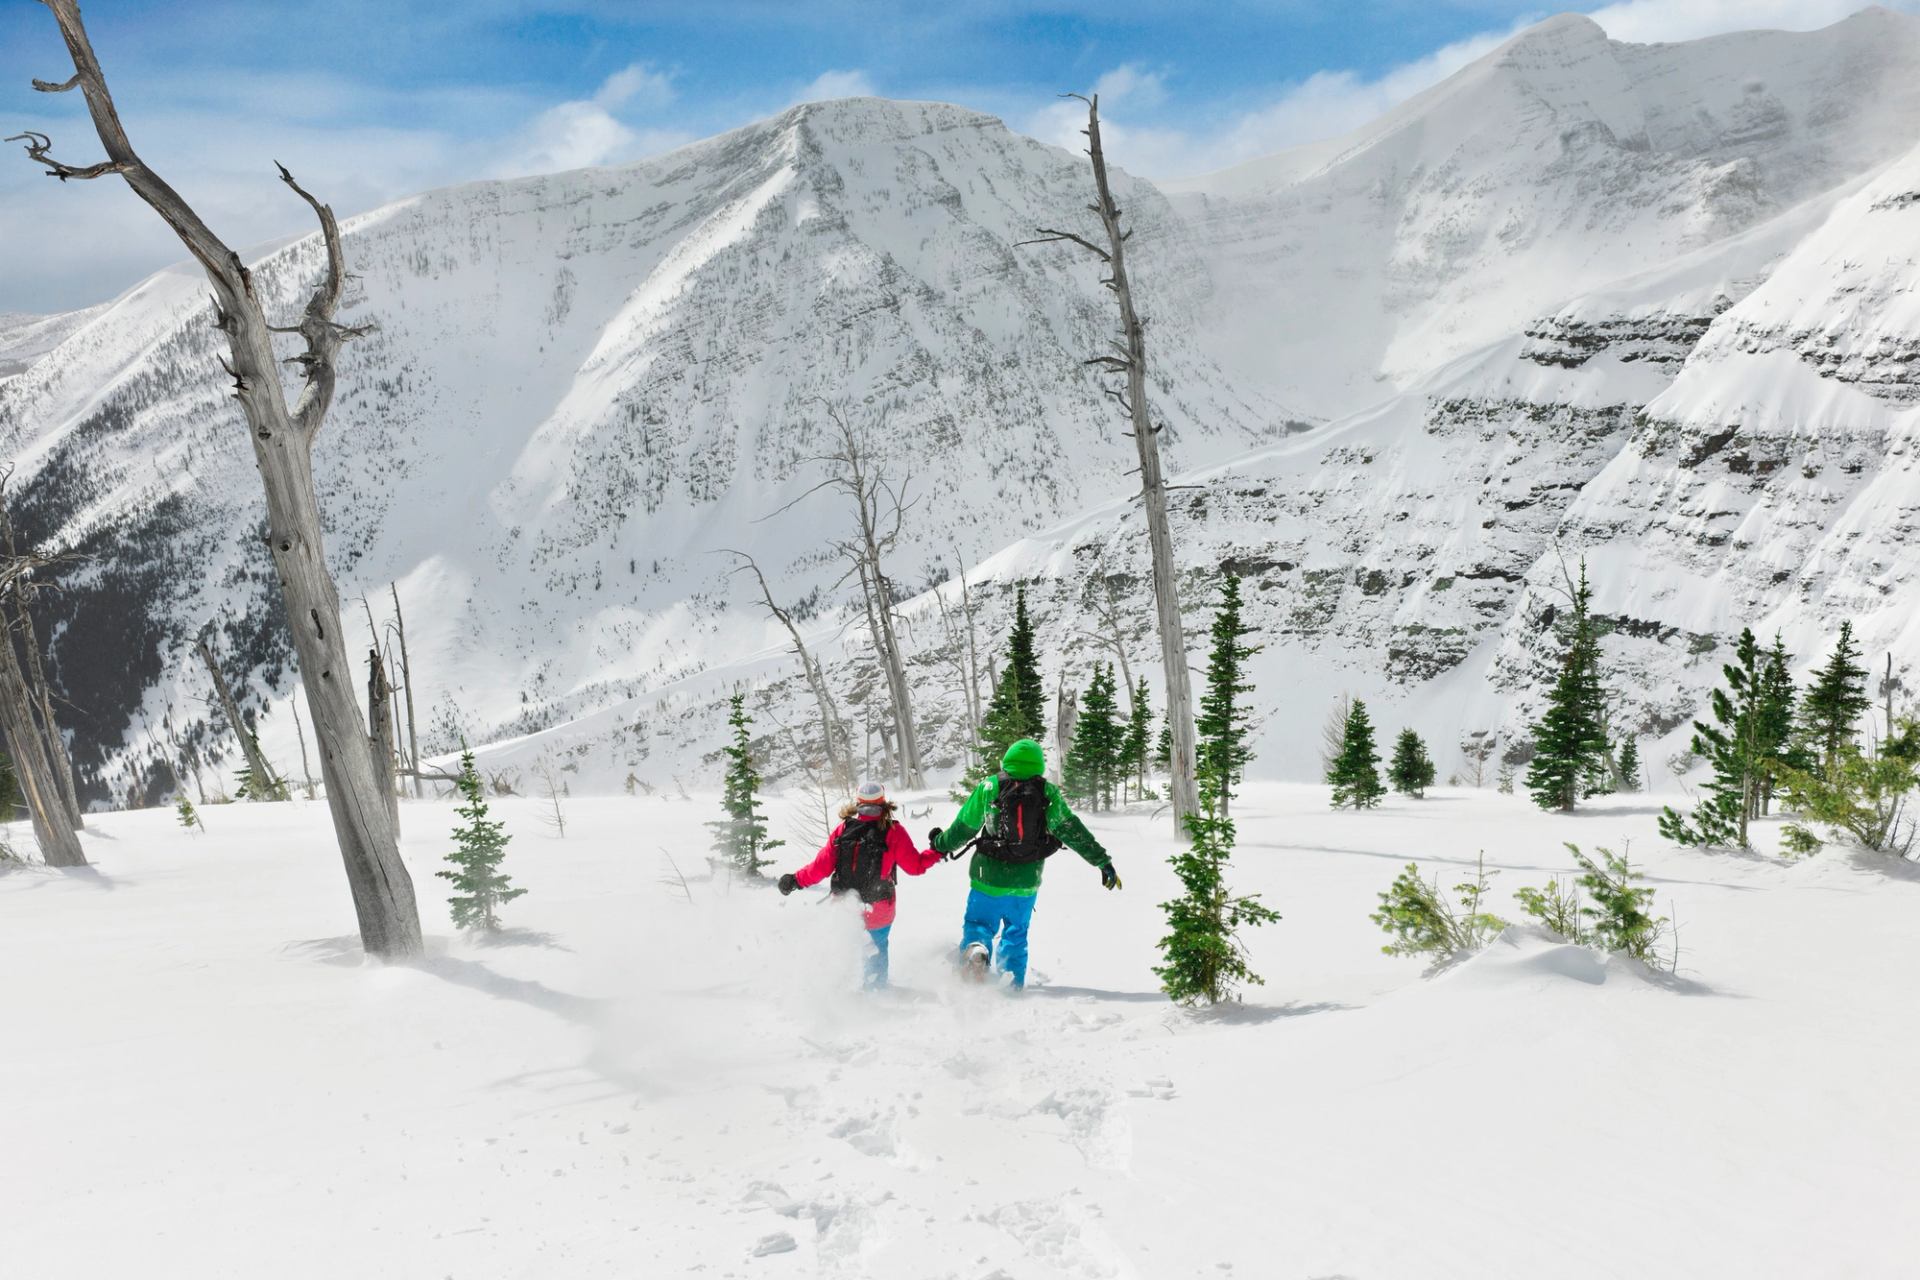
pixel 832 729
pixel 39 690
pixel 53 826
pixel 282 436
pixel 1153 485
pixel 380 732
pixel 266 783
pixel 406 682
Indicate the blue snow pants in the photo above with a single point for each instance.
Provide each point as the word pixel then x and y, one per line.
pixel 1006 915
pixel 877 962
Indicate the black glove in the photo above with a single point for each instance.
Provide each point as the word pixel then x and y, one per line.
pixel 1109 878
pixel 933 838
pixel 788 884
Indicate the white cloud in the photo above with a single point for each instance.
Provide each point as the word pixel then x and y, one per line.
pixel 836 84
pixel 638 85
pixel 587 133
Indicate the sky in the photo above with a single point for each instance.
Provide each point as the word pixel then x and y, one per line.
pixel 371 100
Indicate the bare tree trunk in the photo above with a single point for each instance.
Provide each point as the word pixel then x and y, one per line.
pixel 282 437
pixel 1109 613
pixel 300 732
pixel 406 682
pixel 975 713
pixel 52 825
pixel 1153 487
pixel 265 781
pixel 39 691
pixel 833 730
pixel 380 732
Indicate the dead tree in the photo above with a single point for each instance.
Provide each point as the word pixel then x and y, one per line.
pixel 300 732
pixel 1107 608
pixel 266 783
pixel 851 472
pixel 832 729
pixel 53 826
pixel 1131 361
pixel 380 732
pixel 282 437
pixel 39 689
pixel 406 683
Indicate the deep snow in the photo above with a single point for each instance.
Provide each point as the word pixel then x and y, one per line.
pixel 207 1079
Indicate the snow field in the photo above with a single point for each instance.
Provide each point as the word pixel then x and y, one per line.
pixel 208 1080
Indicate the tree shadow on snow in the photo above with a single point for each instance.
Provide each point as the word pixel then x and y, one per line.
pixel 1095 993
pixel 519 938
pixel 42 875
pixel 1400 856
pixel 477 977
pixel 1235 1014
pixel 1889 865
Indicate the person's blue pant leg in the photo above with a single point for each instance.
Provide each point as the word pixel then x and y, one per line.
pixel 989 915
pixel 1016 915
pixel 981 922
pixel 877 962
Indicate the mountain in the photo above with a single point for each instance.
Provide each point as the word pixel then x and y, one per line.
pixel 24 338
pixel 1349 268
pixel 582 386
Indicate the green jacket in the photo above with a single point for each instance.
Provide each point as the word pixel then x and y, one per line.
pixel 1009 879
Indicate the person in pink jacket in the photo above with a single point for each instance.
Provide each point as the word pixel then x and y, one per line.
pixel 864 855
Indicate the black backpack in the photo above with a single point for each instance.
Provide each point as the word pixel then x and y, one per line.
pixel 859 860
pixel 1018 831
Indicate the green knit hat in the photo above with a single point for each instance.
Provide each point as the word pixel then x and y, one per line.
pixel 1024 759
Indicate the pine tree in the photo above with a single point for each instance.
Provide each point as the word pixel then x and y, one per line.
pixel 1630 763
pixel 1222 726
pixel 1735 747
pixel 1163 745
pixel 189 816
pixel 741 837
pixel 1503 780
pixel 1570 739
pixel 1355 774
pixel 1835 701
pixel 1095 761
pixel 1138 740
pixel 1411 771
pixel 246 787
pixel 1202 950
pixel 1018 708
pixel 1779 748
pixel 480 887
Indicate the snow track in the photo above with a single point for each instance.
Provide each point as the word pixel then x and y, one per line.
pixel 210 1082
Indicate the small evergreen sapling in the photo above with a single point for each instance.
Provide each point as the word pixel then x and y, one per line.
pixel 1422 921
pixel 1411 770
pixel 480 887
pixel 1630 764
pixel 189 816
pixel 1620 918
pixel 1204 958
pixel 741 837
pixel 1355 774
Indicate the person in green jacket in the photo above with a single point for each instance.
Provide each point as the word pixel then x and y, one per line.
pixel 1021 819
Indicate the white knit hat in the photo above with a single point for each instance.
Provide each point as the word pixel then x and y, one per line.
pixel 871 792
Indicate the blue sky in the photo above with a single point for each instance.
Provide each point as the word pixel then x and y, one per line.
pixel 369 101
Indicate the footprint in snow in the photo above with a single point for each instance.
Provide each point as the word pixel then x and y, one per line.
pixel 1096 1124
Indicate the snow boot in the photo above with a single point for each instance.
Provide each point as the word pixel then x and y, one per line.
pixel 974 962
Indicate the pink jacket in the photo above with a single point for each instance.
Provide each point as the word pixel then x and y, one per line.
pixel 901 855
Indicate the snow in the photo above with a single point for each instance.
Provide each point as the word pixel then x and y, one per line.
pixel 209 1080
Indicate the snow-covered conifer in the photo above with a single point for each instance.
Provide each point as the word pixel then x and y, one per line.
pixel 1835 701
pixel 1570 739
pixel 1411 770
pixel 741 836
pixel 1204 958
pixel 480 887
pixel 1355 774
pixel 1225 712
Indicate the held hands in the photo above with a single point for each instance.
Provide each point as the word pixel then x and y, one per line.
pixel 1109 878
pixel 788 884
